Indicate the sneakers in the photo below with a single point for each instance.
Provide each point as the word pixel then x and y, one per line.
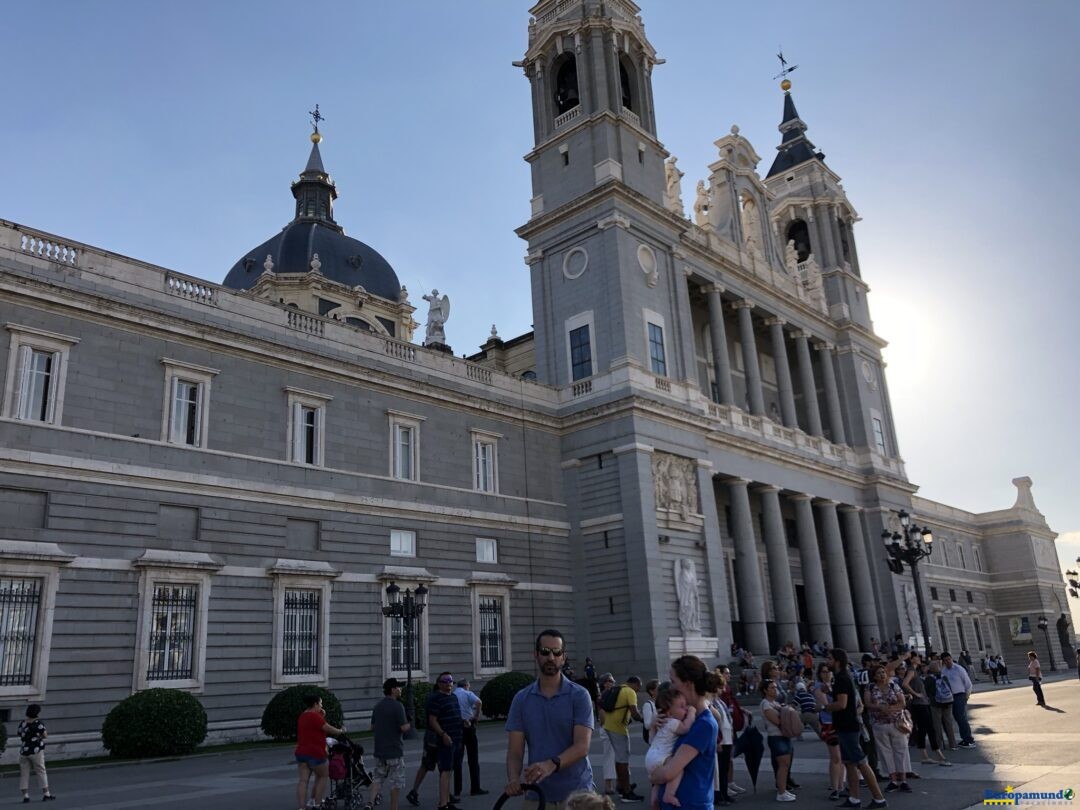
pixel 786 796
pixel 792 784
pixel 413 798
pixel 733 788
pixel 905 787
pixel 891 787
pixel 48 797
pixel 967 744
pixel 834 796
pixel 630 796
pixel 875 803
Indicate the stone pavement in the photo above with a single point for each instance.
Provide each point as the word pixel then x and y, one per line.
pixel 1020 744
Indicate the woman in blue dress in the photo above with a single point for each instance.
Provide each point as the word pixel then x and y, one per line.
pixel 695 752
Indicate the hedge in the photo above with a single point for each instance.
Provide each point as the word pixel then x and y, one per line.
pixel 154 723
pixel 500 690
pixel 280 715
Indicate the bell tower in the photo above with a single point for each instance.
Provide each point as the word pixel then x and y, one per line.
pixel 600 236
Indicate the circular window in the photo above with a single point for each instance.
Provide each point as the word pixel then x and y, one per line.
pixel 575 262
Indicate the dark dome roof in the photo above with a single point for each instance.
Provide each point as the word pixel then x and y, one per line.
pixel 343 259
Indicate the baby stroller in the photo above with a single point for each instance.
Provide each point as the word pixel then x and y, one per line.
pixel 348 776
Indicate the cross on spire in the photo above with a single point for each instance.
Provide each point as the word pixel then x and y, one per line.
pixel 316 117
pixel 784 69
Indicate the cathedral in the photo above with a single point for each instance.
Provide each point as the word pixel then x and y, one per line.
pixel 218 488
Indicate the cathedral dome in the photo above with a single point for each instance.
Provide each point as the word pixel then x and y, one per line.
pixel 313 241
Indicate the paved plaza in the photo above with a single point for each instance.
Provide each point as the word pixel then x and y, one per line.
pixel 1019 745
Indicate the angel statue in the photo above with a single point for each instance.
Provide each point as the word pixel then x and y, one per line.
pixel 686 589
pixel 438 312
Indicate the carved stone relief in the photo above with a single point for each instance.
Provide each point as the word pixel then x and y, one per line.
pixel 675 484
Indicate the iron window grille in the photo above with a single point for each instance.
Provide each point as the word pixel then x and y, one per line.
pixel 20 601
pixel 656 350
pixel 172 632
pixel 491 631
pixel 300 629
pixel 397 644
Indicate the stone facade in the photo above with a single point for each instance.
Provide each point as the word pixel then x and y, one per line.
pixel 210 487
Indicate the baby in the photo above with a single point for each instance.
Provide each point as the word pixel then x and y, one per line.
pixel 678 717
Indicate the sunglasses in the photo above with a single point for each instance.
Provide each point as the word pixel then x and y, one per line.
pixel 446 680
pixel 546 651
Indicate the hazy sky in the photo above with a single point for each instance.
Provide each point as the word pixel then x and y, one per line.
pixel 170 132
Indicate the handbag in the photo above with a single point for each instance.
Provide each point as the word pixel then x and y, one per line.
pixel 903 722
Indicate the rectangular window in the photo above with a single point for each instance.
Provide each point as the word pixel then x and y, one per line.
pixel 960 633
pixel 978 635
pixel 933 593
pixel 491 631
pixel 944 638
pixel 185 412
pixel 34 388
pixel 580 353
pixel 970 597
pixel 37 389
pixel 963 557
pixel 952 595
pixel 402 543
pixel 307 417
pixel 487 550
pixel 399 644
pixel 301 632
pixel 656 350
pixel 484 465
pixel 172 632
pixel 20 603
pixel 978 560
pixel 403 452
pixel 879 435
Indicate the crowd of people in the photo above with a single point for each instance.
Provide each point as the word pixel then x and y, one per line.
pixel 869 716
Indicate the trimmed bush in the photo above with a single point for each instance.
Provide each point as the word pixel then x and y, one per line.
pixel 421 691
pixel 279 716
pixel 154 723
pixel 500 690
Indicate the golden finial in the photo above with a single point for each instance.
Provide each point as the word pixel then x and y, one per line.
pixel 785 85
pixel 316 137
pixel 316 117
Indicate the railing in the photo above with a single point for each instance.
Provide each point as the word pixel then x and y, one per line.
pixel 401 351
pixel 582 388
pixel 555 12
pixel 48 249
pixel 567 117
pixel 478 373
pixel 306 323
pixel 631 116
pixel 191 289
pixel 621 10
pixel 663 384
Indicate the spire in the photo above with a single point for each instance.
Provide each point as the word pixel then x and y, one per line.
pixel 795 148
pixel 315 192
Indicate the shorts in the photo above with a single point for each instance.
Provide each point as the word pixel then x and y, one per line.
pixel 430 757
pixel 780 746
pixel 311 762
pixel 446 755
pixel 620 745
pixel 390 773
pixel 828 734
pixel 850 747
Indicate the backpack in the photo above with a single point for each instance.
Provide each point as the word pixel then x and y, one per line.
pixel 738 717
pixel 609 698
pixel 791 724
pixel 942 690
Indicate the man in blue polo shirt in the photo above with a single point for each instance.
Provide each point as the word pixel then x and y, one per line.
pixel 553 718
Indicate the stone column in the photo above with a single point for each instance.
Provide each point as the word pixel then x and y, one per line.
pixel 750 358
pixel 834 224
pixel 817 607
pixel 862 589
pixel 829 259
pixel 832 392
pixel 836 577
pixel 718 335
pixel 783 591
pixel 783 372
pixel 806 380
pixel 714 557
pixel 747 570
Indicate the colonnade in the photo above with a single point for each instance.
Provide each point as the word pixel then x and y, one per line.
pixel 803 342
pixel 840 603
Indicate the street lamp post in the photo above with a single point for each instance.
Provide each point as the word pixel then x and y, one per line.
pixel 1043 624
pixel 407 607
pixel 910 545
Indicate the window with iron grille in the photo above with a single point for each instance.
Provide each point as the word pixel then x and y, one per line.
pixel 300 632
pixel 580 353
pixel 172 632
pixel 656 350
pixel 20 601
pixel 398 646
pixel 491 631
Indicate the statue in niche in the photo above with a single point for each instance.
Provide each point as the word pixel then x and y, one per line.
pixel 686 589
pixel 438 312
pixel 675 484
pixel 813 285
pixel 791 258
pixel 673 191
pixel 701 205
pixel 751 227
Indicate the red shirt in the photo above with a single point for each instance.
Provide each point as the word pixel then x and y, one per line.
pixel 310 739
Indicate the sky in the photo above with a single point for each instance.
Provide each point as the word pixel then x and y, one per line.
pixel 170 132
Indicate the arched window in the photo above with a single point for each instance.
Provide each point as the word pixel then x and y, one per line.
pixel 626 86
pixel 566 85
pixel 798 232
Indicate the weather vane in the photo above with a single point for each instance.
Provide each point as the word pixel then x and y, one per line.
pixel 784 69
pixel 316 117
